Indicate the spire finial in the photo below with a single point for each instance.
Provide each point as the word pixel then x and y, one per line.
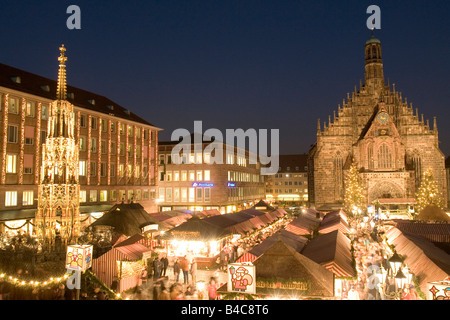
pixel 61 90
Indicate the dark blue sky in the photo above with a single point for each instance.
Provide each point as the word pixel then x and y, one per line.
pixel 235 64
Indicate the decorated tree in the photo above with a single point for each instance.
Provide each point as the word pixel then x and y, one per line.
pixel 354 197
pixel 428 193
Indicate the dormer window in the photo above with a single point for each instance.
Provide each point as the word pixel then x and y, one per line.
pixel 92 101
pixel 16 79
pixel 71 95
pixel 110 107
pixel 46 88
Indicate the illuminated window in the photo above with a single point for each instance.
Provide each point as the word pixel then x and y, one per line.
pixel 82 143
pixel 198 158
pixel 183 175
pixel 13 106
pixel 44 112
pixel 93 196
pixel 103 169
pixel 183 194
pixel 384 157
pixel 11 163
pixel 131 195
pixel 130 131
pixel 83 121
pixel 199 175
pixel 176 194
pixel 191 175
pixel 161 194
pixel 82 168
pixel 137 172
pixel 169 194
pixel 176 176
pixel 10 198
pixel 122 195
pixel 145 194
pixel 207 158
pixel 113 195
pixel 199 194
pixel 28 198
pixel 207 175
pixel 30 109
pixel 13 132
pixel 121 170
pixel 93 145
pixel 104 125
pixel 82 195
pixel 191 194
pixel 169 176
pixel 103 195
pixel 137 195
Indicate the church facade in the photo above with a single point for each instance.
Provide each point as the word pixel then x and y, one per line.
pixel 390 143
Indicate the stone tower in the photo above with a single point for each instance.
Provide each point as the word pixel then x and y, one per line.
pixel 59 190
pixel 390 142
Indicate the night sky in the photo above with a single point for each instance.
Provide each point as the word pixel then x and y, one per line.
pixel 235 64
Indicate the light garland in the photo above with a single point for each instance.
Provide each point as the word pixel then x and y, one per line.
pixel 33 283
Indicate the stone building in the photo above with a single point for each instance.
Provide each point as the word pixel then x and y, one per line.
pixel 390 142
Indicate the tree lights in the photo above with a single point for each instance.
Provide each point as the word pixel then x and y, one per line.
pixel 428 193
pixel 354 197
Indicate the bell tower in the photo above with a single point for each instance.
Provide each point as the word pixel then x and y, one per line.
pixel 374 75
pixel 58 191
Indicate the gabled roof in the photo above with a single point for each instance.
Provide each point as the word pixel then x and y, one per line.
pixel 333 251
pixel 295 241
pixel 131 248
pixel 281 262
pixel 432 213
pixel 126 219
pixel 33 84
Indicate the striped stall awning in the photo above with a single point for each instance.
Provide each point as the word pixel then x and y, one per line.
pixel 246 257
pixel 336 269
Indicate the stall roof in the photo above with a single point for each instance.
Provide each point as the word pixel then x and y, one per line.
pixel 303 225
pixel 432 213
pixel 262 205
pixel 295 241
pixel 428 262
pixel 126 219
pixel 434 232
pixel 333 251
pixel 196 229
pixel 334 220
pixel 281 262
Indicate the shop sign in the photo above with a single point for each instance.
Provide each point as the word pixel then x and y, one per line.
pixel 241 278
pixel 202 184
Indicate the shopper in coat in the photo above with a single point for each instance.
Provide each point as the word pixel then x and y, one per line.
pixel 185 267
pixel 177 269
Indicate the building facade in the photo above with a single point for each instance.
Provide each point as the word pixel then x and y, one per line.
pixel 196 183
pixel 290 185
pixel 117 149
pixel 390 142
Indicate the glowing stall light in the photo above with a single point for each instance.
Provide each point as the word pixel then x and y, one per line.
pixel 79 257
pixel 195 248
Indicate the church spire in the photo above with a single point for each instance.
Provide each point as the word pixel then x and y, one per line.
pixel 374 75
pixel 61 89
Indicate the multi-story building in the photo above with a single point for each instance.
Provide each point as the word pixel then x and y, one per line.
pixel 290 185
pixel 196 183
pixel 117 148
pixel 388 140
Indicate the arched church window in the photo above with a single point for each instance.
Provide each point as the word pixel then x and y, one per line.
pixel 374 52
pixel 339 176
pixel 370 156
pixel 417 165
pixel 384 157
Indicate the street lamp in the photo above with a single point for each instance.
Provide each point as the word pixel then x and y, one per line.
pixel 395 262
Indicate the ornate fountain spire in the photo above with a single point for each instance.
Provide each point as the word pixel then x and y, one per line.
pixel 61 90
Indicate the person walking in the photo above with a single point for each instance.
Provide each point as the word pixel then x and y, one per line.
pixel 156 269
pixel 164 293
pixel 185 267
pixel 194 273
pixel 177 270
pixel 165 264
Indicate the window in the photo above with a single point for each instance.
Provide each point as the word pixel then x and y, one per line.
pixel 93 145
pixel 130 131
pixel 184 175
pixel 191 175
pixel 169 176
pixel 103 195
pixel 161 159
pixel 13 106
pixel 183 194
pixel 113 195
pixel 121 170
pixel 28 163
pixel 199 175
pixel 176 194
pixel 82 143
pixel 82 168
pixel 112 170
pixel 93 196
pixel 161 194
pixel 29 141
pixel 43 136
pixel 191 194
pixel 137 172
pixel 384 157
pixel 130 171
pixel 103 169
pixel 130 150
pixel 28 198
pixel 104 125
pixel 13 132
pixel 131 195
pixel 122 149
pixel 207 158
pixel 176 176
pixel 199 195
pixel 113 127
pixel 169 194
pixel 145 194
pixel 122 129
pixel 198 158
pixel 93 169
pixel 103 146
pixel 30 109
pixel 207 175
pixel 138 151
pixel 145 134
pixel 44 115
pixel 83 121
pixel 94 123
pixel 10 198
pixel 82 195
pixel 138 194
pixel 11 163
pixel 138 133
pixel 113 148
pixel 122 195
pixel 152 194
pixel 207 194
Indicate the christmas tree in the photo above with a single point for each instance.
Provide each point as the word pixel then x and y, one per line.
pixel 428 193
pixel 353 198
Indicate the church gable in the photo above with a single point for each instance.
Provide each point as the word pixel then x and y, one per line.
pixel 380 125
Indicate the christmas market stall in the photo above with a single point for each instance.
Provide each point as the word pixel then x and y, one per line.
pixel 333 251
pixel 124 263
pixel 335 220
pixel 425 259
pixel 283 273
pixel 303 225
